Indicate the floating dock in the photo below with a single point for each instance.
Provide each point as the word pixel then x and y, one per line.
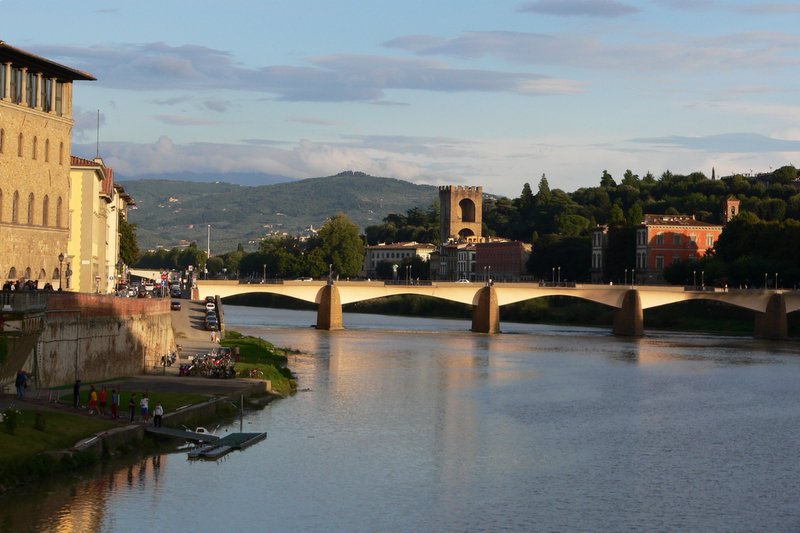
pixel 182 434
pixel 225 445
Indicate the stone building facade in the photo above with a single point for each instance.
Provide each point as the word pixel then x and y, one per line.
pixel 35 126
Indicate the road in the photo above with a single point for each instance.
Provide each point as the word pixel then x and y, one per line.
pixel 188 326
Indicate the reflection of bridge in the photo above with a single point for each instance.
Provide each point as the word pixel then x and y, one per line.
pixel 770 307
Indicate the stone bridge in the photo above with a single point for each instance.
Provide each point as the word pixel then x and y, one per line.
pixel 770 306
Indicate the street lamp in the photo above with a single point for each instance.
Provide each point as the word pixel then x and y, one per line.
pixel 633 277
pixel 626 277
pixel 559 275
pixel 776 281
pixel 330 274
pixel 765 281
pixel 264 276
pixel 694 279
pixel 60 263
pixel 553 277
pixel 703 279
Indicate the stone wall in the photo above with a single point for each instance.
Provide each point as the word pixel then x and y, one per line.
pixel 95 337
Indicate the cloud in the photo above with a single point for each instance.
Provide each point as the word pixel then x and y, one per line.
pixel 315 121
pixel 332 78
pixel 724 143
pixel 180 120
pixel 578 8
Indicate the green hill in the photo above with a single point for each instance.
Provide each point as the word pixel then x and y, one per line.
pixel 169 211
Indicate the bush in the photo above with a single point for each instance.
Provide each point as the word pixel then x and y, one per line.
pixel 11 419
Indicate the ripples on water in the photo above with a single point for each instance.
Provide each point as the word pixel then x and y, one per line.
pixel 418 425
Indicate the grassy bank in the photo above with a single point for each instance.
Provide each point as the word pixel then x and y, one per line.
pixel 268 361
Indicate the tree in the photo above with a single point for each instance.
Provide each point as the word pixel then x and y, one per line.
pixel 128 245
pixel 342 246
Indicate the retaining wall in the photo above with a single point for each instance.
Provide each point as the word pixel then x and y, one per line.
pixel 94 337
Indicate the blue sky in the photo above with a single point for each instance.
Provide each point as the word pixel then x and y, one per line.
pixel 439 92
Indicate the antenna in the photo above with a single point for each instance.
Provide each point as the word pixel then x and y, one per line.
pixel 97 153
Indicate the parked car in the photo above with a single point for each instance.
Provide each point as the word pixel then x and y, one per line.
pixel 175 305
pixel 211 325
pixel 210 306
pixel 463 280
pixel 210 299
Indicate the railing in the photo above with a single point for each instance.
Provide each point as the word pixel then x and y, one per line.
pixel 23 301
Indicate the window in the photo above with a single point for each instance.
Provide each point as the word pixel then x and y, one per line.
pixel 61 154
pixel 676 239
pixel 59 98
pixel 45 210
pixel 47 95
pixel 3 75
pixel 35 145
pixel 31 88
pixel 676 259
pixel 58 212
pixel 30 209
pixel 15 208
pixel 709 241
pixel 16 85
pixel 659 262
pixel 660 238
pixel 47 150
pixel 19 147
pixel 693 238
pixel 2 139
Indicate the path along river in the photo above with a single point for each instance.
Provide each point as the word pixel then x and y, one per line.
pixel 419 425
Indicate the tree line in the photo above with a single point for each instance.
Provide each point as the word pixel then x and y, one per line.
pixel 558 224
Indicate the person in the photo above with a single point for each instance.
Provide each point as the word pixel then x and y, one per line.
pixel 92 400
pixel 132 406
pixel 158 412
pixel 21 382
pixel 114 403
pixel 76 394
pixel 102 400
pixel 236 353
pixel 144 403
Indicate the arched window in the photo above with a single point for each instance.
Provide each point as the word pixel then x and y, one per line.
pixel 59 207
pixel 35 146
pixel 467 210
pixel 42 274
pixel 55 274
pixel 61 154
pixel 45 210
pixel 12 274
pixel 19 147
pixel 15 208
pixel 47 150
pixel 28 273
pixel 30 209
pixel 2 139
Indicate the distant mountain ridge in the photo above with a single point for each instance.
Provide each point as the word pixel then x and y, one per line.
pixel 238 178
pixel 169 211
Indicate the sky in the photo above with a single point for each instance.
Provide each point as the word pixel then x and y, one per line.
pixel 463 92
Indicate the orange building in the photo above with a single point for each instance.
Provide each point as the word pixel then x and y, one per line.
pixel 663 240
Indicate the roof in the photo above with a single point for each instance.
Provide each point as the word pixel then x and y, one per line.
pixel 18 56
pixel 687 221
pixel 400 246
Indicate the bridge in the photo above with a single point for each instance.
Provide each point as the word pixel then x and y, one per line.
pixel 771 307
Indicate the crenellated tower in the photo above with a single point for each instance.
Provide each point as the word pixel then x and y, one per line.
pixel 461 212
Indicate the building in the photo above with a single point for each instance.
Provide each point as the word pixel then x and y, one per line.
pixel 96 205
pixel 501 260
pixel 394 253
pixel 35 124
pixel 460 213
pixel 663 240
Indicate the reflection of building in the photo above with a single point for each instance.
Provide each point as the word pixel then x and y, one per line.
pixel 394 253
pixel 96 203
pixel 35 125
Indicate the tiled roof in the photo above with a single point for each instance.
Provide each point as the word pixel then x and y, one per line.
pixel 676 220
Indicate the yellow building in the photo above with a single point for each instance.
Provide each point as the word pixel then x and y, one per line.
pixel 35 126
pixel 93 246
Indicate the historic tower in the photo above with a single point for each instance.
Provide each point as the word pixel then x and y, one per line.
pixel 461 212
pixel 731 208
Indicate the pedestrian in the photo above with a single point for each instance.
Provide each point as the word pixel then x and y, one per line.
pixel 21 382
pixel 236 353
pixel 132 406
pixel 102 399
pixel 114 403
pixel 76 394
pixel 158 412
pixel 144 404
pixel 92 400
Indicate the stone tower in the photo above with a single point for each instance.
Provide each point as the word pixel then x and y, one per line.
pixel 461 212
pixel 731 208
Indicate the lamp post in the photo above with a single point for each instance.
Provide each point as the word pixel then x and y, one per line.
pixel 60 267
pixel 225 273
pixel 776 281
pixel 694 279
pixel 559 275
pixel 408 274
pixel 553 277
pixel 633 277
pixel 626 277
pixel 765 281
pixel 703 279
pixel 330 274
pixel 264 276
pixel 208 242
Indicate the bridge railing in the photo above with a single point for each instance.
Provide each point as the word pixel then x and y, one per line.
pixel 23 301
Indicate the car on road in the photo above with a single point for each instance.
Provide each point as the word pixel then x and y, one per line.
pixel 210 306
pixel 463 280
pixel 175 305
pixel 210 299
pixel 211 324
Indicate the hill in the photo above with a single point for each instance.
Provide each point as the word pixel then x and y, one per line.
pixel 169 211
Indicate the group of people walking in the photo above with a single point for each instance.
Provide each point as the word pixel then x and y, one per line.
pixel 98 401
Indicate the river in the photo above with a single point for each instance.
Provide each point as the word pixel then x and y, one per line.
pixel 410 424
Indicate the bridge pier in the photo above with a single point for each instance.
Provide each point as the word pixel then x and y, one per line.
pixel 629 319
pixel 486 315
pixel 329 312
pixel 773 323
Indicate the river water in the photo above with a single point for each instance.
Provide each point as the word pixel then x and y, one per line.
pixel 406 424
